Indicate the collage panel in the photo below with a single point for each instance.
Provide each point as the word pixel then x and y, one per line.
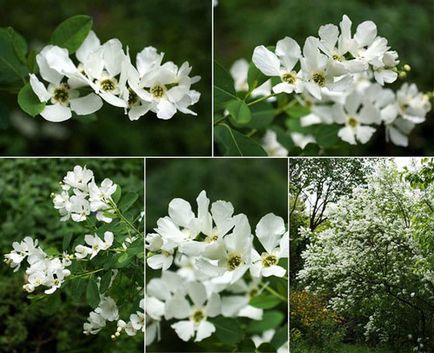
pixel 72 243
pixel 216 255
pixel 333 78
pixel 361 255
pixel 105 78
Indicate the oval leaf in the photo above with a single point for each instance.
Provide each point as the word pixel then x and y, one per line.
pixel 233 143
pixel 72 32
pixel 228 330
pixel 29 101
pixel 224 90
pixel 270 320
pixel 12 51
pixel 92 293
pixel 239 112
pixel 264 301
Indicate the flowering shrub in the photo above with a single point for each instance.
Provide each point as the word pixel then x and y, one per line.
pixel 97 73
pixel 109 252
pixel 332 90
pixel 371 262
pixel 215 275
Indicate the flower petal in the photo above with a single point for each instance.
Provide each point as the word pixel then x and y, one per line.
pixel 269 230
pixel 165 110
pixel 204 330
pixel 39 89
pixel 184 329
pixel 266 61
pixel 90 44
pixel 86 105
pixel 56 113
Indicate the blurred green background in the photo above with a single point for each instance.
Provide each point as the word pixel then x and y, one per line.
pixel 53 324
pixel 254 186
pixel 241 25
pixel 180 29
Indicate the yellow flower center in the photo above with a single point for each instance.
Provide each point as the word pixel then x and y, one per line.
pixel 157 91
pixel 234 261
pixel 319 79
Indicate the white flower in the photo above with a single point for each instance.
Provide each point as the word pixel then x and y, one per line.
pixel 272 146
pixel 356 115
pixel 78 178
pixel 320 78
pixel 79 208
pixel 197 325
pixel 95 323
pixel 102 66
pixel 163 88
pixel 272 234
pixel 28 247
pixel 239 72
pixel 108 309
pixel 235 259
pixel 280 64
pixel 61 92
pixel 96 244
pixel 302 140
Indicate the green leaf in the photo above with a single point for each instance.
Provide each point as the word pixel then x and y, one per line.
pixel 13 49
pixel 228 330
pixel 124 260
pixel 310 149
pixel 239 112
pixel 280 337
pixel 224 90
pixel 52 251
pixel 92 293
pixel 71 33
pixel 117 194
pixel 255 78
pixel 128 200
pixel 264 301
pixel 262 115
pixel 327 135
pixel 283 138
pixel 234 143
pixel 66 241
pixel 29 101
pixel 105 281
pixel 297 111
pixel 19 44
pixel 31 61
pixel 136 247
pixel 246 346
pixel 270 320
pixel 266 348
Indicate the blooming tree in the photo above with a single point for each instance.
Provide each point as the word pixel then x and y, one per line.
pixel 330 91
pixel 372 260
pixel 109 252
pixel 217 278
pixel 76 74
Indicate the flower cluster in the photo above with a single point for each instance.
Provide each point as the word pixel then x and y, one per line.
pixel 218 267
pixel 81 196
pixel 43 270
pixel 339 77
pixel 106 69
